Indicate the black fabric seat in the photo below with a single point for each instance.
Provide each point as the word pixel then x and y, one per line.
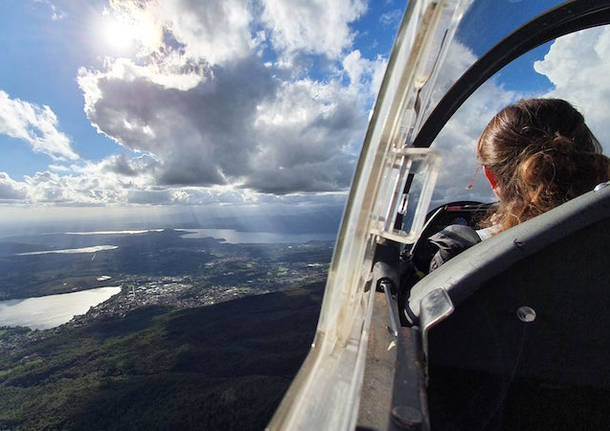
pixel 528 344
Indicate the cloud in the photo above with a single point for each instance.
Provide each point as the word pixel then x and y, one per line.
pixel 312 26
pixel 200 135
pixel 36 125
pixel 87 189
pixel 576 64
pixel 457 144
pixel 240 125
pixel 391 18
pixel 457 140
pixel 225 118
pixel 107 182
pixel 123 165
pixel 209 119
pixel 578 67
pixel 215 30
pixel 308 136
pixel 121 180
pixel 59 168
pixel 57 14
pixel 153 197
pixel 10 189
pixel 211 116
pixel 365 75
pixel 288 138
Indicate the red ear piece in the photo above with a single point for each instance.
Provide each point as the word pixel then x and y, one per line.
pixel 474 177
pixel 490 177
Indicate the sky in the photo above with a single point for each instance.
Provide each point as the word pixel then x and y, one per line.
pixel 236 105
pixel 574 67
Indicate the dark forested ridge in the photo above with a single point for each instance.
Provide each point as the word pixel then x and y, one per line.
pixel 224 366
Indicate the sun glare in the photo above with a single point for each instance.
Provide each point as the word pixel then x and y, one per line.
pixel 127 33
pixel 119 35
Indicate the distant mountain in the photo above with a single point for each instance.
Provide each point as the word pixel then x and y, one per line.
pixel 224 366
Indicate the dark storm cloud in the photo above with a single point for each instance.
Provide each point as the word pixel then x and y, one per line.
pixel 330 175
pixel 123 165
pixel 240 124
pixel 154 197
pixel 196 133
pixel 120 165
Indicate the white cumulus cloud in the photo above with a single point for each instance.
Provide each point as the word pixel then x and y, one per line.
pixel 365 75
pixel 11 189
pixel 578 65
pixel 215 30
pixel 203 115
pixel 210 112
pixel 312 26
pixel 34 124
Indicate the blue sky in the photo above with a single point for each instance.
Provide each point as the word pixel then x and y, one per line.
pixel 247 103
pixel 47 43
pixel 43 56
pixel 40 66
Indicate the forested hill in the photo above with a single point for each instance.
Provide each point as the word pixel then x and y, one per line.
pixel 224 366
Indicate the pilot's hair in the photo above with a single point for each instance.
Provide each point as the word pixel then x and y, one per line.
pixel 542 154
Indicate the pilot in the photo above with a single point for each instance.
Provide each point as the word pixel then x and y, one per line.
pixel 536 154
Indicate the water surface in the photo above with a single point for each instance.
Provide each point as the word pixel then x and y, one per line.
pixel 93 249
pixel 236 237
pixel 53 310
pixel 115 232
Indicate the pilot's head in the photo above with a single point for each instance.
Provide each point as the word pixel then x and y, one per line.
pixel 537 154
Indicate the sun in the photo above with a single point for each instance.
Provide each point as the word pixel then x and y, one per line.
pixel 132 33
pixel 118 34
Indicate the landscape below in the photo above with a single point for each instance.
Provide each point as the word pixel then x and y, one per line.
pixel 203 334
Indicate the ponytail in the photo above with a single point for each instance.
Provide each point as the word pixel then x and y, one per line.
pixel 542 154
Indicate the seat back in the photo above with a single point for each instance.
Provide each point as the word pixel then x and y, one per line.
pixel 527 345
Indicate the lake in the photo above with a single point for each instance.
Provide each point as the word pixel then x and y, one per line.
pixel 236 237
pixel 93 249
pixel 53 310
pixel 115 232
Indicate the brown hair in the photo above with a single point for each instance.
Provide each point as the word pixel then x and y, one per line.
pixel 542 154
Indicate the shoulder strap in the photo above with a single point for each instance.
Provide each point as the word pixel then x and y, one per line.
pixel 444 245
